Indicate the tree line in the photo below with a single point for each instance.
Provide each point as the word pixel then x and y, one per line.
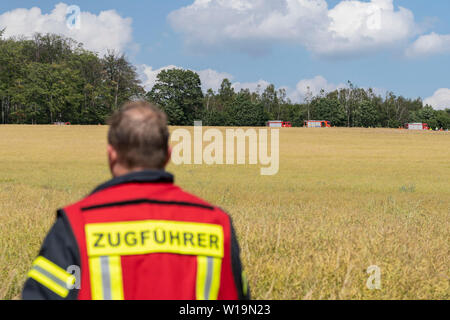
pixel 51 78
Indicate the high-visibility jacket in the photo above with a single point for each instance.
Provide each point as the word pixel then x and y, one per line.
pixel 139 236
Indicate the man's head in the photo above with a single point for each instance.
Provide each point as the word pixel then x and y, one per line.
pixel 138 139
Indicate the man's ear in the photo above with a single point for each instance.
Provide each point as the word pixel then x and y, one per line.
pixel 112 157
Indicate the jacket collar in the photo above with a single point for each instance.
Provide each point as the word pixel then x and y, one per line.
pixel 147 176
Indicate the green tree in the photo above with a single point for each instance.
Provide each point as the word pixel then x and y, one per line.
pixel 244 113
pixel 52 78
pixel 178 92
pixel 328 108
pixel 269 99
pixel 226 94
pixel 366 114
pixel 122 79
pixel 443 119
pixel 427 115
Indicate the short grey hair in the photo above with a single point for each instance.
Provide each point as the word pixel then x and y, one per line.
pixel 140 135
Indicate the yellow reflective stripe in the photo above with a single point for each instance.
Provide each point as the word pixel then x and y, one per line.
pixel 96 278
pixel 215 285
pixel 51 276
pixel 48 283
pixel 106 278
pixel 208 278
pixel 202 266
pixel 115 268
pixel 55 270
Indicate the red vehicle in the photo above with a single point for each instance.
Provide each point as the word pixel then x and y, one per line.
pixel 417 126
pixel 317 124
pixel 279 124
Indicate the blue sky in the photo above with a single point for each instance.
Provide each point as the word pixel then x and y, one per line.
pixel 406 51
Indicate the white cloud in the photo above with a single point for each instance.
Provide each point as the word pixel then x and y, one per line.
pixel 429 44
pixel 210 79
pixel 254 26
pixel 107 30
pixel 148 75
pixel 314 86
pixel 440 100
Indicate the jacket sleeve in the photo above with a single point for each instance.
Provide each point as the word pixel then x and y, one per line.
pixel 54 273
pixel 239 275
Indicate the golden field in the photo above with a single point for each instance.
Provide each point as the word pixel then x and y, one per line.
pixel 343 200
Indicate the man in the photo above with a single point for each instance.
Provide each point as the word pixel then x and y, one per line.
pixel 139 236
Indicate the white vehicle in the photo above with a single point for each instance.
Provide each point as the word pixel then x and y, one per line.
pixel 275 124
pixel 279 124
pixel 417 126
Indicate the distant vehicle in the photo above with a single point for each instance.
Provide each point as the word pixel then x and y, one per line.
pixel 417 126
pixel 279 124
pixel 275 124
pixel 317 124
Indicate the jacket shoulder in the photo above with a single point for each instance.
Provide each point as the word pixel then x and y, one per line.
pixel 197 200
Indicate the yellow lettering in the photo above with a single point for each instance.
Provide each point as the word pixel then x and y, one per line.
pixel 151 236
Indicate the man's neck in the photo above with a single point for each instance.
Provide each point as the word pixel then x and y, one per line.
pixel 120 170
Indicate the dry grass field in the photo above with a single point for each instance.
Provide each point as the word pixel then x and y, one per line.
pixel 343 200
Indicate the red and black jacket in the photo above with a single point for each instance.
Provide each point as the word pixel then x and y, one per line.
pixel 139 236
